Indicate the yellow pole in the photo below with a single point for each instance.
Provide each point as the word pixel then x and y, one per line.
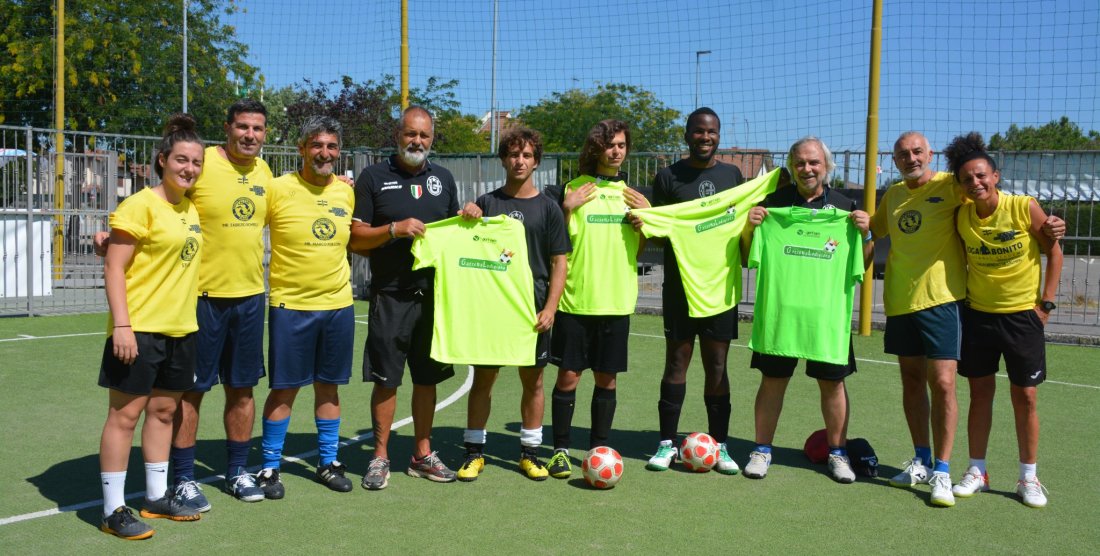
pixel 59 145
pixel 870 175
pixel 404 54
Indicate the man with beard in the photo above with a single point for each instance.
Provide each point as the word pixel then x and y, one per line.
pixel 311 322
pixel 393 200
pixel 700 175
pixel 925 280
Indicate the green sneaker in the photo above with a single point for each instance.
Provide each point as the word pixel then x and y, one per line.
pixel 666 454
pixel 559 465
pixel 726 465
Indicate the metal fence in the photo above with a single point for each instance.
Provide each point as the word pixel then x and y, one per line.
pixel 47 225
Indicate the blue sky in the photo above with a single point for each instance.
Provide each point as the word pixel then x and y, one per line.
pixel 777 70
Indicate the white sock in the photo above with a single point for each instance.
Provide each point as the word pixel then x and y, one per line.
pixel 531 438
pixel 474 436
pixel 1027 471
pixel 114 491
pixel 979 463
pixel 156 480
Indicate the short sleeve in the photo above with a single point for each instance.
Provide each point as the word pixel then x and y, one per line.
pixel 364 197
pixel 855 254
pixel 657 222
pixel 557 236
pixel 133 217
pixel 424 252
pixel 756 251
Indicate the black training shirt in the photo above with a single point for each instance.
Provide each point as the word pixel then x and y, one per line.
pixel 385 193
pixel 544 226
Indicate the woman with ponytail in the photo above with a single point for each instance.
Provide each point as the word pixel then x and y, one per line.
pixel 1006 309
pixel 151 274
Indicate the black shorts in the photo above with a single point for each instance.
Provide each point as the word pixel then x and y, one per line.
pixel 1017 336
pixel 399 330
pixel 597 342
pixel 778 366
pixel 679 326
pixel 542 351
pixel 163 362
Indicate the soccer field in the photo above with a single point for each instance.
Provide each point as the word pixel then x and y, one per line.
pixel 53 413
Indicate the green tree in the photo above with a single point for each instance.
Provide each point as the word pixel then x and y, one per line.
pixel 369 111
pixel 278 124
pixel 123 64
pixel 456 132
pixel 564 118
pixel 1058 135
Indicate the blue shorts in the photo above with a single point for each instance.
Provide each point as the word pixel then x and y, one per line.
pixel 935 333
pixel 230 342
pixel 310 346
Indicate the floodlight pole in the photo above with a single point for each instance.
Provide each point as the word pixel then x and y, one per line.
pixel 493 86
pixel 698 54
pixel 870 174
pixel 404 54
pixel 185 2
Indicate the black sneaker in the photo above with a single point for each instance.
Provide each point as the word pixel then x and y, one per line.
pixel 169 507
pixel 559 466
pixel 332 476
pixel 268 481
pixel 122 523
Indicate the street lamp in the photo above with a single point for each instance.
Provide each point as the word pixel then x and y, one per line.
pixel 698 53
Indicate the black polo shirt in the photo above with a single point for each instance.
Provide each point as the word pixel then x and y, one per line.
pixel 385 193
pixel 789 197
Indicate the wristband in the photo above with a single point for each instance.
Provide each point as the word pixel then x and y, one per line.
pixel 393 230
pixel 124 326
pixel 867 238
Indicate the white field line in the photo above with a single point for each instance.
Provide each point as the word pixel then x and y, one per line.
pixel 297 458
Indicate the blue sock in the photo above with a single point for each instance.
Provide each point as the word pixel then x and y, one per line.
pixel 236 454
pixel 183 463
pixel 764 448
pixel 328 439
pixel 924 454
pixel 840 451
pixel 941 466
pixel 274 436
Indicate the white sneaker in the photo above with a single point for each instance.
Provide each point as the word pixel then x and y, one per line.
pixel 1032 492
pixel 757 468
pixel 725 465
pixel 973 482
pixel 841 469
pixel 941 490
pixel 915 473
pixel 666 454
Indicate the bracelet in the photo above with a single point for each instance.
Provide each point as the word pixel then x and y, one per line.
pixel 867 238
pixel 393 230
pixel 124 326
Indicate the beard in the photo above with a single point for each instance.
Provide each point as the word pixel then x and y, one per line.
pixel 323 167
pixel 413 156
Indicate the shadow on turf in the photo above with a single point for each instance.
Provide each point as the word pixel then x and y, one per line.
pixel 73 482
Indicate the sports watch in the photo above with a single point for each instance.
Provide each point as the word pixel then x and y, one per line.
pixel 1047 306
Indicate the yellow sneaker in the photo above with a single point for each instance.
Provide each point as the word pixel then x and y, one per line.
pixel 471 468
pixel 531 466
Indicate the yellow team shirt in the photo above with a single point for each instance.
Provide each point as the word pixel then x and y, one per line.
pixel 926 266
pixel 232 201
pixel 164 272
pixel 310 227
pixel 1003 259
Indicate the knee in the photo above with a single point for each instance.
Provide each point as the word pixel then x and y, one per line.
pixel 238 397
pixel 605 380
pixel 1025 398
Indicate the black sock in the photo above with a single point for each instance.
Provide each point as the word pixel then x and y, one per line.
pixel 474 448
pixel 561 413
pixel 668 409
pixel 718 416
pixel 603 413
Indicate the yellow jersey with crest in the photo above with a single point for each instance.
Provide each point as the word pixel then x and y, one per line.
pixel 1003 259
pixel 925 266
pixel 310 227
pixel 232 204
pixel 162 275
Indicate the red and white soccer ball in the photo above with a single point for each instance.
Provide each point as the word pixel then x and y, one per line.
pixel 602 467
pixel 699 452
